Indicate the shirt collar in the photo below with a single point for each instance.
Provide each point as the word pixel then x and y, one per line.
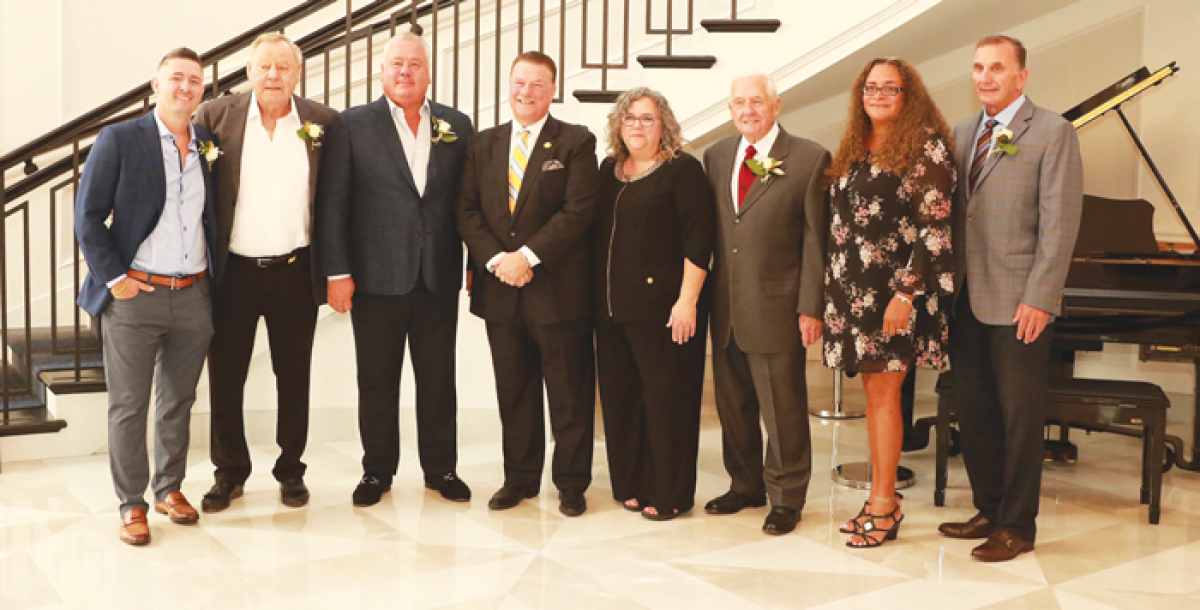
pixel 398 112
pixel 534 129
pixel 763 146
pixel 165 133
pixel 256 113
pixel 1005 117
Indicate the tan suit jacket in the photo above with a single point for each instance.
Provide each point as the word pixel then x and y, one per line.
pixel 769 260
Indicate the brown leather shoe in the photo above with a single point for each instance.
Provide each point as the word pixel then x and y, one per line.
pixel 177 508
pixel 134 528
pixel 1001 546
pixel 976 527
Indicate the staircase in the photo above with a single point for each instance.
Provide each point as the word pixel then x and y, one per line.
pixel 688 49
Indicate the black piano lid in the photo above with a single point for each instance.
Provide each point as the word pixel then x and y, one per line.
pixel 1107 94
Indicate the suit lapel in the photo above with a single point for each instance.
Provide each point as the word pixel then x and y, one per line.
pixel 779 152
pixel 234 141
pixel 1019 125
pixel 314 155
pixel 436 150
pixel 152 153
pixel 542 149
pixel 723 159
pixel 385 126
pixel 503 136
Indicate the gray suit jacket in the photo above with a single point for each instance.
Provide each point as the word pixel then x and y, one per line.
pixel 226 118
pixel 1015 233
pixel 769 261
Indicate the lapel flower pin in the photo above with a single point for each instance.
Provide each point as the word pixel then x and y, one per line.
pixel 442 131
pixel 311 132
pixel 1002 142
pixel 765 168
pixel 210 152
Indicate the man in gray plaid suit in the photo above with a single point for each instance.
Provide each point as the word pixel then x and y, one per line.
pixel 1017 216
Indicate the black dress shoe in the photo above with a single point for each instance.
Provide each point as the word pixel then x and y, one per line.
pixel 732 502
pixel 974 528
pixel 293 493
pixel 450 486
pixel 370 489
pixel 218 497
pixel 781 520
pixel 509 496
pixel 571 503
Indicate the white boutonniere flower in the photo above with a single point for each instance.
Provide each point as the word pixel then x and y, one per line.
pixel 1002 142
pixel 765 168
pixel 210 152
pixel 442 131
pixel 311 132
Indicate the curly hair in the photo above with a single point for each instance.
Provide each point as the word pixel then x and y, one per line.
pixel 905 145
pixel 669 144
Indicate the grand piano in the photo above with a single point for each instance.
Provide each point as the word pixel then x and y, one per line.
pixel 1123 287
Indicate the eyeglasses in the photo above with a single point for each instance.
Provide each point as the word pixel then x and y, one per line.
pixel 646 120
pixel 886 90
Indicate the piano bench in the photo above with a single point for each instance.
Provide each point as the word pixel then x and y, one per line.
pixel 1095 404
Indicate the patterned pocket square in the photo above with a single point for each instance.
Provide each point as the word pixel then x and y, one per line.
pixel 552 165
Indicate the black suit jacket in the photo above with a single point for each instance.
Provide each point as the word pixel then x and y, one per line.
pixel 371 223
pixel 124 177
pixel 552 217
pixel 226 118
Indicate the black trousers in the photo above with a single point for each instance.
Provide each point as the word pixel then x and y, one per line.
pixel 282 294
pixel 524 353
pixel 382 326
pixel 650 389
pixel 1000 389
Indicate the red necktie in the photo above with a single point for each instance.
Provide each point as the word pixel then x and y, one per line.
pixel 745 177
pixel 982 149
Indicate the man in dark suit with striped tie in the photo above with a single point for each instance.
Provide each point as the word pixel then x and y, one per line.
pixel 528 195
pixel 1015 227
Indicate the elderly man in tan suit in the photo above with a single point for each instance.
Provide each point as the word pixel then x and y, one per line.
pixel 1016 219
pixel 768 270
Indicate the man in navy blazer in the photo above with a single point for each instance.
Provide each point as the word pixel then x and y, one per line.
pixel 148 280
pixel 385 224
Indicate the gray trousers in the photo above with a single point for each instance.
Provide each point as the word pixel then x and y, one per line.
pixel 771 385
pixel 157 339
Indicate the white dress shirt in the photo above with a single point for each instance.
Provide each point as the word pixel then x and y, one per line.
pixel 762 149
pixel 535 130
pixel 416 145
pixel 272 215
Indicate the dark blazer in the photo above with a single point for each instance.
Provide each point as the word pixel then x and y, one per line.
pixel 769 262
pixel 552 217
pixel 643 232
pixel 226 118
pixel 370 220
pixel 124 177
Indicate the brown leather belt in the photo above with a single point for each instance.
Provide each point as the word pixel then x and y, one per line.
pixel 167 281
pixel 262 262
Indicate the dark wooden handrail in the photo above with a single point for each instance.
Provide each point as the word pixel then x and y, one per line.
pixel 71 129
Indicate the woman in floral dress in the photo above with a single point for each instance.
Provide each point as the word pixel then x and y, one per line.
pixel 889 276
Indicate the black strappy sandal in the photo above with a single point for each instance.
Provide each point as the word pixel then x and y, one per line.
pixel 869 527
pixel 660 514
pixel 636 507
pixel 857 527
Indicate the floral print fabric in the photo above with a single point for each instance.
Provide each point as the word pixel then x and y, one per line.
pixel 888 234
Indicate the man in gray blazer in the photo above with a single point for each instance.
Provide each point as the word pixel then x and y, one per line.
pixel 767 272
pixel 1016 219
pixel 390 246
pixel 268 177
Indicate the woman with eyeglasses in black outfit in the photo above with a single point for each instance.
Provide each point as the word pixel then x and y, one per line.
pixel 889 275
pixel 652 239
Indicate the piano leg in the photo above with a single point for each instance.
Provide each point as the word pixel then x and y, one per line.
pixel 1195 462
pixel 1156 449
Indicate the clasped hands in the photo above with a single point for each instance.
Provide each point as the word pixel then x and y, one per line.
pixel 513 269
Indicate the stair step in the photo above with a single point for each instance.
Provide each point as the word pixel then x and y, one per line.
pixel 740 25
pixel 692 62
pixel 42 340
pixel 64 382
pixel 30 421
pixel 596 96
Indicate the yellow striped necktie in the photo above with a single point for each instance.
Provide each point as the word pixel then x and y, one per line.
pixel 516 168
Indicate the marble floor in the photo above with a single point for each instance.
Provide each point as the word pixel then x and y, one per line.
pixel 59 548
